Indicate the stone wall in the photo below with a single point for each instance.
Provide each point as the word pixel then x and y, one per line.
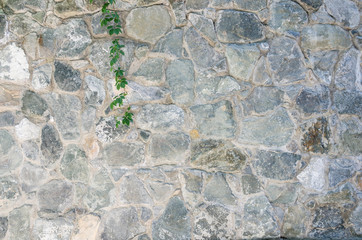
pixel 247 121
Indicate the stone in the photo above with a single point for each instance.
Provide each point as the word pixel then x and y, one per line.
pixel 66 110
pixel 356 219
pixel 339 232
pixel 285 194
pixel 6 142
pixel 313 100
pixel 32 177
pixel 14 66
pixel 160 191
pixel 27 130
pixel 19 222
pixel 51 145
pixel 323 64
pixel 23 24
pixel 196 4
pixel 286 61
pixel 215 119
pixel 171 43
pixel 204 25
pixel 174 223
pixel 33 104
pixel 3 226
pixel 345 194
pixel 133 191
pixel 345 12
pixel 250 184
pixel 58 228
pixel 88 118
pixel 55 196
pixel 327 217
pixel 350 136
pixel 314 4
pixel 347 75
pixel 87 227
pixel 348 102
pixel 152 70
pixel 42 77
pixel 121 223
pixel 144 237
pixel 218 191
pixel 124 154
pixel 317 136
pixel 241 60
pixel 263 99
pixel 10 188
pixel 30 149
pixel 106 130
pixel 74 164
pixel 97 195
pixel 287 16
pixel 10 159
pixel 160 117
pixel 276 164
pixel 146 214
pixel 180 77
pixel 6 119
pixel 138 93
pixel 96 27
pixel 217 155
pixel 193 181
pixel 238 27
pixel 94 91
pixel 322 16
pixel 271 130
pixel 3 26
pixel 148 24
pixel 68 8
pixel 324 37
pixel 295 222
pixel 340 170
pixel 67 78
pixel 169 148
pixel 250 5
pixel 259 221
pixel 313 175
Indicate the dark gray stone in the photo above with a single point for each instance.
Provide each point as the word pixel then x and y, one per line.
pixel 276 165
pixel 203 25
pixel 263 99
pixel 67 78
pixel 33 104
pixel 327 217
pixel 315 4
pixel 74 164
pixel 348 102
pixel 2 26
pixel 144 237
pixel 7 119
pixel 51 145
pixel 250 5
pixel 152 70
pixel 238 27
pixel 3 226
pixel 146 214
pixel 314 100
pixel 9 188
pixel 174 222
pixel 356 219
pixel 133 191
pixel 19 222
pixel 340 170
pixel 171 43
pixel 218 191
pixel 55 196
pixel 339 232
pixel 250 184
pixel 106 130
pixel 124 154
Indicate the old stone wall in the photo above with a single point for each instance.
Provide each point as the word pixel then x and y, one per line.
pixel 247 120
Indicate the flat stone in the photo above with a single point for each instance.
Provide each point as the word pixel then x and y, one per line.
pixel 286 61
pixel 344 194
pixel 272 130
pixel 160 191
pixel 87 227
pixel 58 228
pixel 152 70
pixel 340 170
pixel 23 24
pixel 27 130
pixel 345 12
pixel 348 102
pixel 350 136
pixel 55 196
pixel 30 149
pixel 322 16
pixel 121 223
pixel 124 154
pixel 312 176
pixel 68 8
pixel 196 4
pixel 10 188
pixel 96 27
pixel 3 226
pixel 19 222
pixel 276 164
pixel 218 191
pixel 258 219
pixel 42 77
pixel 88 118
pixel 138 93
pixel 67 78
pixel 14 66
pixel 327 217
pixel 250 5
pixel 242 59
pixel 317 136
pixel 94 91
pixel 313 100
pixel 171 43
pixel 178 8
pixel 323 64
pixel 33 104
pixel 7 141
pixel 347 73
pixel 133 191
pixel 32 177
pixel 180 77
pixel 10 161
pixel 238 27
pixel 97 195
pixel 204 25
pixel 324 37
pixel 7 119
pixel 217 155
pixel 74 164
pixel 106 130
pixel 356 219
pixel 315 4
pixel 250 184
pixel 287 16
pixel 148 24
pixel 174 223
pixel 160 117
pixel 295 222
pixel 193 181
pixel 263 99
pixel 169 148
pixel 285 194
pixel 51 145
pixel 339 232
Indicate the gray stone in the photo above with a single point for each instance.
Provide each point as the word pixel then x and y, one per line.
pixel 250 5
pixel 347 73
pixel 30 149
pixel 98 194
pixel 6 142
pixel 196 4
pixel 314 4
pixel 32 177
pixel 241 60
pixel 295 222
pixel 68 8
pixel 6 119
pixel 324 37
pixel 146 214
pixel 160 191
pixel 313 175
pixel 148 24
pixel 327 217
pixel 94 93
pixel 193 181
pixel 23 24
pixel 121 223
pixel 238 27
pixel 276 164
pixel 171 43
pixel 169 148
pixel 272 130
pixel 3 226
pixel 133 191
pixel 67 78
pixel 262 74
pixel 19 222
pixel 124 154
pixel 316 136
pixel 10 159
pixel 174 223
pixel 118 173
pixel 250 184
pixel 160 117
pixel 218 191
pixel 286 61
pixel 179 10
pixel 96 27
pixel 202 53
pixel 74 164
pixel 313 100
pixel 356 219
pixel 55 196
pixel 66 110
pixel 215 119
pixel 259 221
pixel 340 170
pixel 287 16
pixel 152 70
pixel 42 77
pixel 345 12
pixel 285 194
pixel 217 155
pixel 138 93
pixel 350 134
pixel 88 118
pixel 204 25
pixel 58 228
pixel 51 145
pixel 26 130
pixel 323 64
pixel 348 102
pixel 339 232
pixel 33 104
pixel 9 188
pixel 322 16
pixel 106 130
pixel 343 195
pixel 3 26
pixel 263 99
pixel 180 77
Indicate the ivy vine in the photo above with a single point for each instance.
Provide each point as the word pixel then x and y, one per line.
pixel 112 22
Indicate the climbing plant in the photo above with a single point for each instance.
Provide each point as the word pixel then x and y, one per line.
pixel 112 22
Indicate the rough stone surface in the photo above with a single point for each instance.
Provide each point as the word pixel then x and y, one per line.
pixel 42 77
pixel 19 220
pixel 340 170
pixel 32 177
pixel 171 43
pixel 348 102
pixel 133 191
pixel 295 221
pixel 55 196
pixel 33 104
pixel 51 146
pixel 27 130
pixel 152 70
pixel 218 191
pixel 250 184
pixel 313 175
pixel 124 154
pixel 356 220
pixel 94 91
pixel 67 78
pixel 263 99
pixel 347 74
pixel 316 136
pixel 58 228
pixel 74 164
pixel 313 100
pixel 345 12
pixel 3 226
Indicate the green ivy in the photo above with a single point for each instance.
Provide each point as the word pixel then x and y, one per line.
pixel 112 22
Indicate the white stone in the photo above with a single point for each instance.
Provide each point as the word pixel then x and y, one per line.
pixel 14 66
pixel 27 130
pixel 313 176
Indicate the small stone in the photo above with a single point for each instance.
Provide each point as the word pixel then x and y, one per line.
pixel 327 217
pixel 313 100
pixel 315 4
pixel 94 91
pixel 313 175
pixel 347 73
pixel 348 102
pixel 345 12
pixel 42 77
pixel 68 8
pixel 204 25
pixel 33 104
pixel 250 184
pixel 138 93
pixel 171 43
pixel 152 70
pixel 250 5
pixel 356 219
pixel 124 154
pixel 106 130
pixel 30 149
pixel 295 222
pixel 238 27
pixel 261 73
pixel 67 78
pixel 58 228
pixel 6 142
pixel 55 196
pixel 19 222
pixel 317 137
pixel 133 191
pixel 14 66
pixel 323 64
pixel 51 145
pixel 3 226
pixel 148 24
pixel 263 99
pixel 74 164
pixel 218 191
pixel 340 170
pixel 9 188
pixel 285 194
pixel 6 119
pixel 146 214
pixel 23 24
pixel 27 130
pixel 32 177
